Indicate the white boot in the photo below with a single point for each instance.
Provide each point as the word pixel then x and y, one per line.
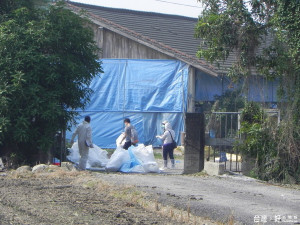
pixel 165 164
pixel 173 163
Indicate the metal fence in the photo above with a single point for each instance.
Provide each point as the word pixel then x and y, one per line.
pixel 222 138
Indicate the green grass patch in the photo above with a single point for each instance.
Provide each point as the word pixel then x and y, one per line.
pixel 157 155
pixel 109 152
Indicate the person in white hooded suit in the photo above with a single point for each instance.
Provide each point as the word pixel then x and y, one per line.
pixel 84 132
pixel 168 147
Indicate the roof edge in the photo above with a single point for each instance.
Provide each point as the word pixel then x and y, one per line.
pixel 132 11
pixel 158 46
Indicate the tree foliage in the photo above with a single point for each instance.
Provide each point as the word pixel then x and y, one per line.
pixel 48 59
pixel 265 37
pixel 7 6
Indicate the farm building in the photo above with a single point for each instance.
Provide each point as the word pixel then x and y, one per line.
pixel 151 73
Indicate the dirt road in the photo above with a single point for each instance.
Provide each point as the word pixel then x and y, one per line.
pixel 247 200
pixel 114 198
pixel 70 199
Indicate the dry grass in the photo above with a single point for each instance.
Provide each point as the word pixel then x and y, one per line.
pixel 59 172
pixel 133 197
pixel 230 220
pixel 128 193
pixel 136 197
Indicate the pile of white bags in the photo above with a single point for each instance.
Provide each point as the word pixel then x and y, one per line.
pixel 117 159
pixel 97 156
pixel 138 159
pixel 145 156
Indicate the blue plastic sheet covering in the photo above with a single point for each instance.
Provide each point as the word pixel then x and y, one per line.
pixel 260 89
pixel 145 91
pixel 128 166
pixel 207 87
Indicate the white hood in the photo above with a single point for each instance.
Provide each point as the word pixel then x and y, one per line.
pixel 168 126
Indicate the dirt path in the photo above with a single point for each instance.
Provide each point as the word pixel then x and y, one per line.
pixel 70 199
pixel 114 198
pixel 219 198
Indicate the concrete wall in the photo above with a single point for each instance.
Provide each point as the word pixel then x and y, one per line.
pixel 191 90
pixel 194 143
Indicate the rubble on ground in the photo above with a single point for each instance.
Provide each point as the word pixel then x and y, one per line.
pixel 24 169
pixel 40 168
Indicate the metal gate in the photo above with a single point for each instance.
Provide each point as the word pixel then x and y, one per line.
pixel 222 139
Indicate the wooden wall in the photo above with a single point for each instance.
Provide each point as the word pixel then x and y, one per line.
pixel 116 46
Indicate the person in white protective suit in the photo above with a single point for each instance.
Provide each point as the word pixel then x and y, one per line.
pixel 84 132
pixel 168 147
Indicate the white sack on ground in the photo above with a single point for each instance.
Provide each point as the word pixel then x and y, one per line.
pixel 137 169
pixel 145 156
pixel 117 159
pixel 97 156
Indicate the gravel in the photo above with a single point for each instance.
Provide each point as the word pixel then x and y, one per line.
pixel 218 197
pixel 80 198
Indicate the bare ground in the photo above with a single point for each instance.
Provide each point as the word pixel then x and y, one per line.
pixel 76 198
pixel 62 197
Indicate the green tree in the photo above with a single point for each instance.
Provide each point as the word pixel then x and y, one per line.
pixel 265 36
pixel 7 6
pixel 48 59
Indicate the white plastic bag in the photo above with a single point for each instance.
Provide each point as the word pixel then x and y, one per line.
pixel 151 167
pixel 119 140
pixel 97 156
pixel 142 160
pixel 145 156
pixel 74 153
pixel 137 169
pixel 117 159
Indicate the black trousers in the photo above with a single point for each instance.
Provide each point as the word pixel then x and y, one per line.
pixel 168 150
pixel 127 144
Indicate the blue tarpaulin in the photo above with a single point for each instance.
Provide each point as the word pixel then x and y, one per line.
pixel 127 166
pixel 146 91
pixel 260 89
